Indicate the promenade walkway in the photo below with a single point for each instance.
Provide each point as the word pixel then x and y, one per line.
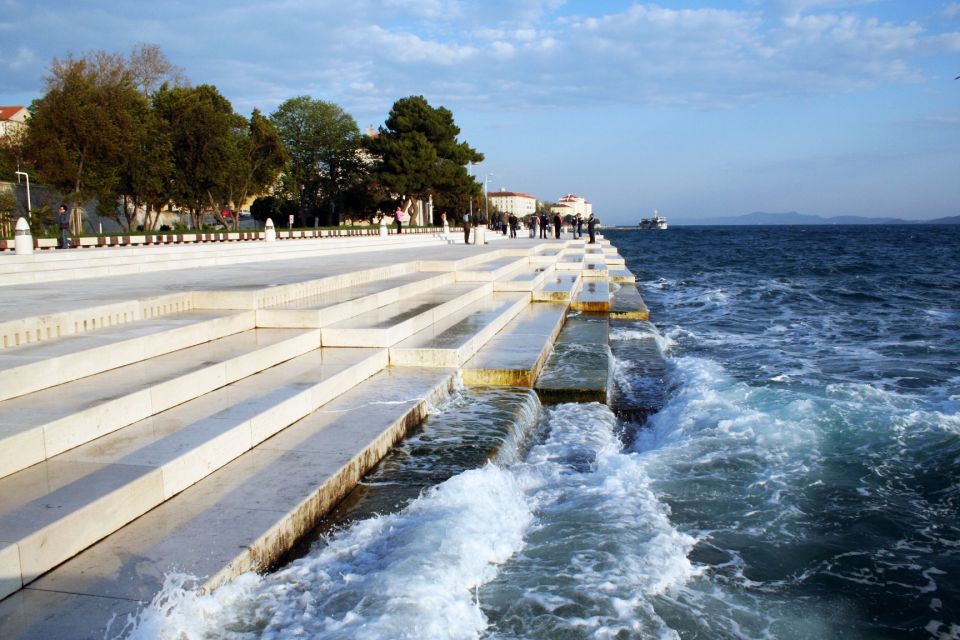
pixel 200 408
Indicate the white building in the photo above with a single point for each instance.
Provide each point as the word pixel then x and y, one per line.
pixel 519 204
pixel 572 204
pixel 13 120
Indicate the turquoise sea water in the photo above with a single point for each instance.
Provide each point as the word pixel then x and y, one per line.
pixel 801 478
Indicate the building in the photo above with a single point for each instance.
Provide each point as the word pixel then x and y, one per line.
pixel 13 120
pixel 572 204
pixel 519 204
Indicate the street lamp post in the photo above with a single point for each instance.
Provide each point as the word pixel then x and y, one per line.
pixel 27 176
pixel 486 207
pixel 470 173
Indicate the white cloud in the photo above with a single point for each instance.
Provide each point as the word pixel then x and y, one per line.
pixel 521 52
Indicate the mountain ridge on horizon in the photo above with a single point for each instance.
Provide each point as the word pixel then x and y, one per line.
pixel 795 218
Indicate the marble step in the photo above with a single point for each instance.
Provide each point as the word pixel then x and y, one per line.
pixel 32 367
pixel 328 307
pixel 96 263
pixel 578 369
pixel 594 296
pixel 558 287
pixel 243 517
pixel 42 424
pixel 527 278
pixel 515 356
pixel 493 269
pixel 621 276
pixel 455 339
pixel 639 388
pixel 392 323
pixel 470 259
pixel 571 261
pixel 51 511
pixel 627 304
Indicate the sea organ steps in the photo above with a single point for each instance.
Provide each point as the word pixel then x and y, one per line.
pixel 270 422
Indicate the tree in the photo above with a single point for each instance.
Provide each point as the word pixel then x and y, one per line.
pixel 150 69
pixel 201 125
pixel 256 157
pixel 86 125
pixel 324 146
pixel 419 154
pixel 146 178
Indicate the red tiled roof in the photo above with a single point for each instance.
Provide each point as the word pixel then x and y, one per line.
pixel 8 112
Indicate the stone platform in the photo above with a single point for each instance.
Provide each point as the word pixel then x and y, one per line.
pixel 200 408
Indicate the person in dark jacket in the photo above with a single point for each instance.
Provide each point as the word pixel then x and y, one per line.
pixel 63 220
pixel 514 223
pixel 557 223
pixel 543 226
pixel 466 228
pixel 592 229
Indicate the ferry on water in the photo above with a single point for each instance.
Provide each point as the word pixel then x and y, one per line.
pixel 656 222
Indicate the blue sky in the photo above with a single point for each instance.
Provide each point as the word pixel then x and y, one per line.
pixel 695 108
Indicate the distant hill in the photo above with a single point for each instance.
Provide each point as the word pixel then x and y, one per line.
pixel 792 217
pixel 948 220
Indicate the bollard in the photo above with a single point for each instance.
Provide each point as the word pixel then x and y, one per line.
pixel 269 232
pixel 384 232
pixel 23 239
pixel 480 234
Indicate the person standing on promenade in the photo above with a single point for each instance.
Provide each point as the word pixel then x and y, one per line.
pixel 580 225
pixel 543 226
pixel 514 223
pixel 592 229
pixel 398 217
pixel 557 223
pixel 534 219
pixel 466 228
pixel 63 220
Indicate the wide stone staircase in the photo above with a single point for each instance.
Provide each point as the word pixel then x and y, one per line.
pixel 207 430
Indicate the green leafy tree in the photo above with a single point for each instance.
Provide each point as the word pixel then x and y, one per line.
pixel 147 176
pixel 256 158
pixel 323 143
pixel 202 128
pixel 419 154
pixel 86 125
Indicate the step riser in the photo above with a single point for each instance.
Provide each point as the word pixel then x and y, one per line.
pixel 27 378
pixel 38 329
pixel 28 448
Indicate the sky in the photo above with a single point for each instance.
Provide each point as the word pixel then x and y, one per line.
pixel 697 108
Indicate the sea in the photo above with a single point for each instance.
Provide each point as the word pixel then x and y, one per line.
pixel 798 476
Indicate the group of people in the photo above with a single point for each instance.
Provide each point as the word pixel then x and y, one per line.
pixel 511 223
pixel 543 223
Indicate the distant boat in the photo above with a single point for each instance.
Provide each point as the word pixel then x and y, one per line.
pixel 656 222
